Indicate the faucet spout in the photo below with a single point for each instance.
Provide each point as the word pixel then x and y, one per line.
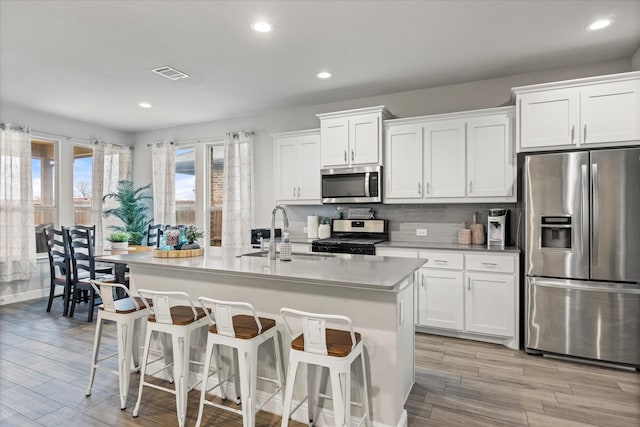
pixel 272 235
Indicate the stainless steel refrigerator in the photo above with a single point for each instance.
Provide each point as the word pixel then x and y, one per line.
pixel 582 254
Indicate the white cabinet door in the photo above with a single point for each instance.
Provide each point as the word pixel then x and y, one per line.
pixel 441 299
pixel 335 142
pixel 610 112
pixel 444 159
pixel 309 168
pixel 490 160
pixel 364 139
pixel 286 169
pixel 549 118
pixel 403 162
pixel 490 305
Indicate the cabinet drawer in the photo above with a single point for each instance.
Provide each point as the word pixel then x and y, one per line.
pixel 400 253
pixel 446 260
pixel 495 263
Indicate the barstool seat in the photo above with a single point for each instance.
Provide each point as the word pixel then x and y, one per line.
pixel 244 334
pixel 128 314
pixel 334 349
pixel 179 321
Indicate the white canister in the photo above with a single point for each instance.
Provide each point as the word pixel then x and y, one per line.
pixel 324 231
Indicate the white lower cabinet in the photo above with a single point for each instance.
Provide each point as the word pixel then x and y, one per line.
pixel 441 299
pixel 469 295
pixel 490 304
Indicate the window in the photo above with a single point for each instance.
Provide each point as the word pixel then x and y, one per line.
pixel 185 186
pixel 216 193
pixel 82 171
pixel 43 163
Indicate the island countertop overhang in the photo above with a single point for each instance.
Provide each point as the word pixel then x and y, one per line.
pixel 357 271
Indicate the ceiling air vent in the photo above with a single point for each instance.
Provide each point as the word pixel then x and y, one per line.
pixel 170 73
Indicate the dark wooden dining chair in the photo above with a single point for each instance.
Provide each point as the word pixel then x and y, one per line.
pixel 153 234
pixel 83 267
pixel 59 267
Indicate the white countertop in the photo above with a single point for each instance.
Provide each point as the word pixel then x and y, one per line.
pixel 361 271
pixel 446 246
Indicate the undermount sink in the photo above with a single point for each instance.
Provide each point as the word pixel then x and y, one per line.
pixel 294 255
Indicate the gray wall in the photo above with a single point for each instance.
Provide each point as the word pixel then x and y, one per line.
pixel 459 97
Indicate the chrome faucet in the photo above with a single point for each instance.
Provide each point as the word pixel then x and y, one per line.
pixel 272 235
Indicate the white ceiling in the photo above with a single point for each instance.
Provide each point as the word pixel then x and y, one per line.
pixel 90 60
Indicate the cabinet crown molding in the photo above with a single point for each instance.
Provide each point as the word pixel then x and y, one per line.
pixel 609 78
pixel 508 110
pixel 296 133
pixel 377 109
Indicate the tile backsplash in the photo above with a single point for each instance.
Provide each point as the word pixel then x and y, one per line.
pixel 442 221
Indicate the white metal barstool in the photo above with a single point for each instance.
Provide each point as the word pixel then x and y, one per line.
pixel 125 312
pixel 179 321
pixel 334 349
pixel 244 333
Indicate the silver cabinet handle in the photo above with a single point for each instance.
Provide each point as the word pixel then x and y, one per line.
pixel 419 189
pixel 573 133
pixel 489 264
pixel 441 261
pixel 428 188
pixel 470 186
pixel 294 191
pixel 298 192
pixel 585 133
pixel 352 156
pixel 595 214
pixel 469 283
pixel 345 156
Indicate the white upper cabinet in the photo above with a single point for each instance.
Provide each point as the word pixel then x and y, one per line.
pixel 297 167
pixel 598 110
pixel 451 158
pixel 352 138
pixel 490 156
pixel 404 157
pixel 444 158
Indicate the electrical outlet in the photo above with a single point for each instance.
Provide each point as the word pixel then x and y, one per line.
pixel 421 232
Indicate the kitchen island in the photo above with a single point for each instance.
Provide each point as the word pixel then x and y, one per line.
pixel 377 293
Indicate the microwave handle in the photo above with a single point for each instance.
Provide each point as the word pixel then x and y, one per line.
pixel 367 177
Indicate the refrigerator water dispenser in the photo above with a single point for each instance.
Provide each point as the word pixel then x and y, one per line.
pixel 555 232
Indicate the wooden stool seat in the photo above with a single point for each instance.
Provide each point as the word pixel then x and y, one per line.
pixel 338 342
pixel 245 326
pixel 182 315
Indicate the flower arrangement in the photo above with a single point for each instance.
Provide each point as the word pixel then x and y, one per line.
pixel 192 233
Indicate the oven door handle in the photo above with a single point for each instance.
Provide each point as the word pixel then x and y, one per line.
pixel 367 177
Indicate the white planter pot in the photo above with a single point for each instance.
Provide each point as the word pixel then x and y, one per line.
pixel 119 245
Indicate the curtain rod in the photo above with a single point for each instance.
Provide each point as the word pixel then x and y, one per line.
pixel 27 129
pixel 189 141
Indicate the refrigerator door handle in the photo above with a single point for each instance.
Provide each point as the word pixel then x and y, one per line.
pixel 594 227
pixel 585 209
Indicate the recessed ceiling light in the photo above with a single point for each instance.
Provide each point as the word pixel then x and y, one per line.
pixel 261 27
pixel 145 105
pixel 324 75
pixel 599 24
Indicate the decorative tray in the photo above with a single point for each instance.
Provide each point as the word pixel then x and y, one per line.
pixel 183 253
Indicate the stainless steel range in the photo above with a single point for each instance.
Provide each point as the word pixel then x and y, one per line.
pixel 353 236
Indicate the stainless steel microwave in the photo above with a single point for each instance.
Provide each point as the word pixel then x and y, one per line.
pixel 352 185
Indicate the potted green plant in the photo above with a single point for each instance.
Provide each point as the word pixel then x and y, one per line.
pixel 132 210
pixel 192 234
pixel 119 239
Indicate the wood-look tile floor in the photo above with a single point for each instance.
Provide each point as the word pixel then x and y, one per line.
pixel 44 366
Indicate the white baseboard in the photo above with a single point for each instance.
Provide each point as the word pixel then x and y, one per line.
pixel 24 296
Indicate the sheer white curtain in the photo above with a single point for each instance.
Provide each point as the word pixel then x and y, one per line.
pixel 111 163
pixel 236 205
pixel 163 161
pixel 17 230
